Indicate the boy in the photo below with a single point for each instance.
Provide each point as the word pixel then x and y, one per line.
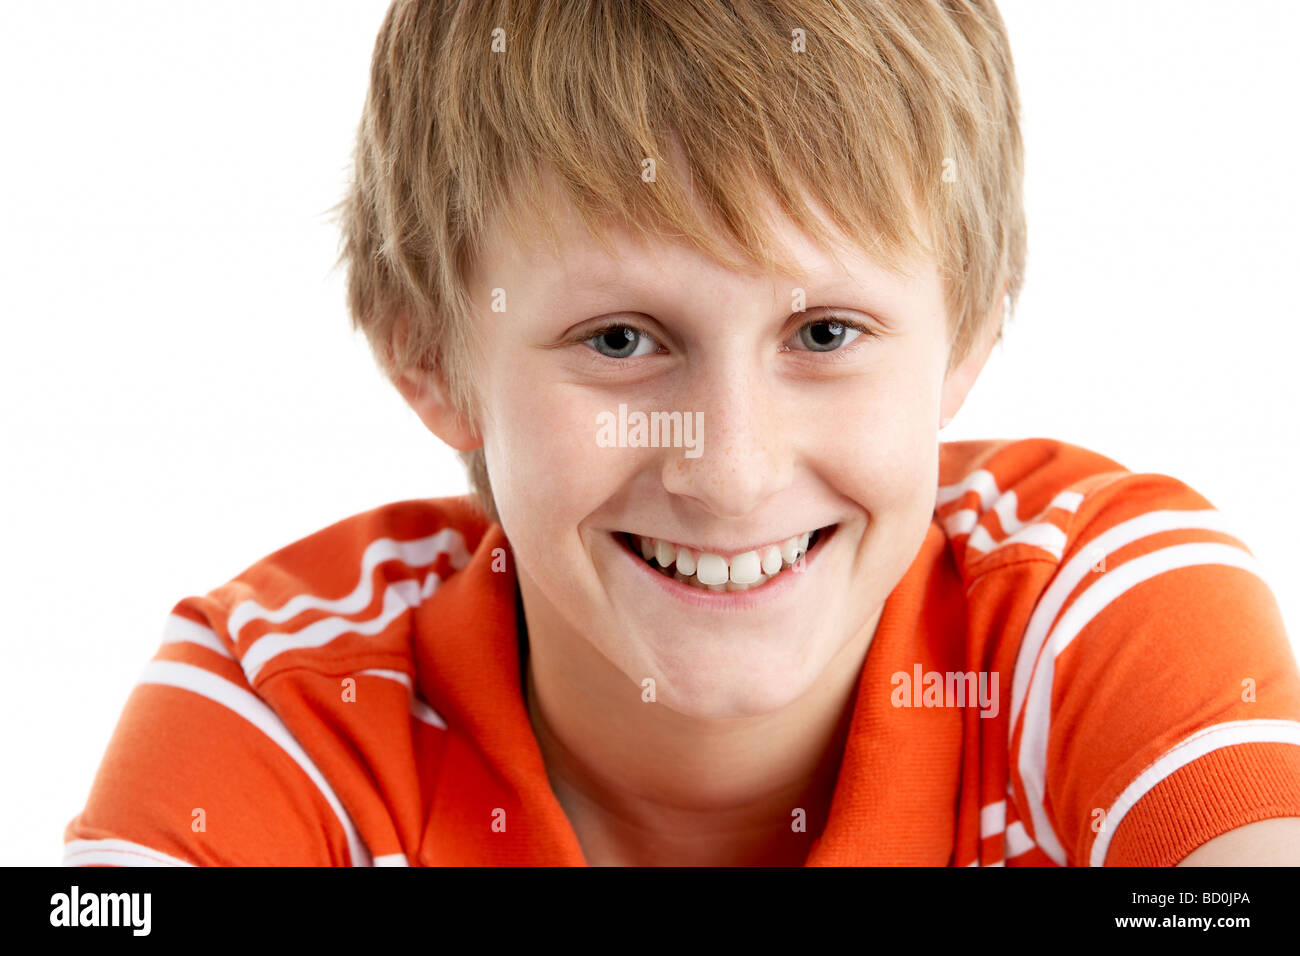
pixel 693 288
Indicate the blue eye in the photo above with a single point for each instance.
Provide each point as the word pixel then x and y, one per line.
pixel 621 342
pixel 826 335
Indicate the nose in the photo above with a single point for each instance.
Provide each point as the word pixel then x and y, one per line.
pixel 746 455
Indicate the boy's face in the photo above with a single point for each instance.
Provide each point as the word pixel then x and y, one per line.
pixel 825 428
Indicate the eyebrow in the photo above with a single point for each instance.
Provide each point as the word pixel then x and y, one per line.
pixel 604 276
pixel 596 278
pixel 592 274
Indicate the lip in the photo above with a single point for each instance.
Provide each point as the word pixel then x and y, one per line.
pixel 765 594
pixel 729 553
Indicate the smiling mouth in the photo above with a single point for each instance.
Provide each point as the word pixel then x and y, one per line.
pixel 713 572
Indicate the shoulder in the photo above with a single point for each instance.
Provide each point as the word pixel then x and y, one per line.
pixel 290 689
pixel 334 593
pixel 1003 502
pixel 1052 527
pixel 1155 702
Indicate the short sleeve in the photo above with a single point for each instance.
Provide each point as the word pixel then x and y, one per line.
pixel 1163 705
pixel 200 771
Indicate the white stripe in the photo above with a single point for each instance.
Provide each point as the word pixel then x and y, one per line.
pixel 1067 501
pixel 981 481
pixel 416 554
pixel 1018 841
pixel 993 819
pixel 397 598
pixel 115 853
pixel 181 629
pixel 1199 744
pixel 960 522
pixel 400 676
pixel 1076 569
pixel 257 713
pixel 1035 531
pixel 1007 508
pixel 425 713
pixel 420 708
pixel 1042 534
pixel 392 859
pixel 1038 699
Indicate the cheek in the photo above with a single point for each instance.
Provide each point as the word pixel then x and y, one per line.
pixel 546 467
pixel 876 439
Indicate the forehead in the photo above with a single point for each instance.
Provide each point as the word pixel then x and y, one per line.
pixel 521 245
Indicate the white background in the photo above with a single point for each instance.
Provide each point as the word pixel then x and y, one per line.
pixel 181 393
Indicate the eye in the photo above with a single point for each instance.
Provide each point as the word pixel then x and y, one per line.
pixel 622 342
pixel 826 335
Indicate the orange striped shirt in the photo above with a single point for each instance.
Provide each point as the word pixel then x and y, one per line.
pixel 355 697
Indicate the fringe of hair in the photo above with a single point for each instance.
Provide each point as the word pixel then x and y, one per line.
pixel 900 118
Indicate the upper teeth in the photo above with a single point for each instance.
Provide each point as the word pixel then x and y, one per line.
pixel 715 570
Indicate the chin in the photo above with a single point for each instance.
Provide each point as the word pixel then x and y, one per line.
pixel 763 674
pixel 732 699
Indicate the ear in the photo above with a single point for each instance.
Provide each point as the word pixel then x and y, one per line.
pixel 962 378
pixel 427 394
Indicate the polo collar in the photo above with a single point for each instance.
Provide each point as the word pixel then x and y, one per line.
pixel 894 800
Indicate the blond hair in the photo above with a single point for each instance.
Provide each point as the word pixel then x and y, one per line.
pixel 867 107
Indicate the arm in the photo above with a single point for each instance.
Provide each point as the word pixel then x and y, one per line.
pixel 1273 842
pixel 1161 714
pixel 200 771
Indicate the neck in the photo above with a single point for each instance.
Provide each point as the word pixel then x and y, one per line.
pixel 645 785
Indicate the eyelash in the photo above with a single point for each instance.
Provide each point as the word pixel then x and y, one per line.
pixel 605 330
pixel 841 354
pixel 835 355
